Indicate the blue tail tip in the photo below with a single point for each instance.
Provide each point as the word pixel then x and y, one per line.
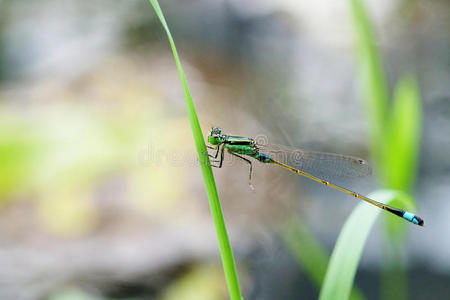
pixel 419 221
pixel 413 218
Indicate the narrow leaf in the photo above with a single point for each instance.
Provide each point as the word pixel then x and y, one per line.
pixel 211 190
pixel 350 243
pixel 372 75
pixel 309 254
pixel 403 137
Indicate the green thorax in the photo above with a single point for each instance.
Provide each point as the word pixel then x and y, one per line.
pixel 240 145
pixel 245 146
pixel 239 140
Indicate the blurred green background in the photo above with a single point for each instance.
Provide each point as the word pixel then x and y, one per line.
pixel 101 194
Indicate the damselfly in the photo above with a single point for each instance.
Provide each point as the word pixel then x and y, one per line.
pixel 307 163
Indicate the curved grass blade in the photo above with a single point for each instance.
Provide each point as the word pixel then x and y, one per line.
pixel 350 243
pixel 310 254
pixel 396 147
pixel 211 190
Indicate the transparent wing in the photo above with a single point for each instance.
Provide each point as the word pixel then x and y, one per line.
pixel 319 164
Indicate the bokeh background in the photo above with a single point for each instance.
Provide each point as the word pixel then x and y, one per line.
pixel 100 190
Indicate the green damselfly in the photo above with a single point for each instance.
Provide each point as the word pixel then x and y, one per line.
pixel 307 163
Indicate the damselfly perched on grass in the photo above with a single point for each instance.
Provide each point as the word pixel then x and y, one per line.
pixel 306 163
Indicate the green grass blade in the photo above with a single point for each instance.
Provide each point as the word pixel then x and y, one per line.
pixel 211 190
pixel 350 243
pixel 372 75
pixel 306 250
pixel 403 138
pixel 394 277
pixel 400 169
pixel 309 254
pixel 402 147
pixel 395 137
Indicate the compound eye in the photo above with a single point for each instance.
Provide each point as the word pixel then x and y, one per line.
pixel 216 131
